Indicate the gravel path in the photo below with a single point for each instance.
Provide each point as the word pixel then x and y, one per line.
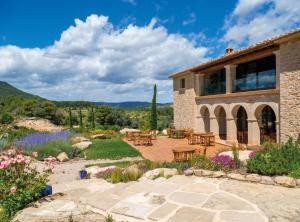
pixel 69 171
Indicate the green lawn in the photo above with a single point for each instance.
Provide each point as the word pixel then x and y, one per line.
pixel 114 148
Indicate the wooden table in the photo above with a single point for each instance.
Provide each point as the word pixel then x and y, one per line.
pixel 207 139
pixel 178 134
pixel 143 139
pixel 183 153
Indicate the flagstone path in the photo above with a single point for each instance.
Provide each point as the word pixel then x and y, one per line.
pixel 177 199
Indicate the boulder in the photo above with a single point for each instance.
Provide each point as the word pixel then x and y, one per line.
pixel 169 172
pixel 165 172
pixel 267 180
pixel 285 181
pixel 125 130
pixel 82 145
pixel 152 174
pixel 236 176
pixel 203 173
pixel 62 157
pixel 164 132
pixel 93 171
pixel 218 174
pixel 100 136
pixel 298 182
pixel 188 172
pixel 253 178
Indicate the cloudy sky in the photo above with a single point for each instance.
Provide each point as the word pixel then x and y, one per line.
pixel 116 50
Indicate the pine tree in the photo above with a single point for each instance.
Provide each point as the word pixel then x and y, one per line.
pixel 70 118
pixel 153 120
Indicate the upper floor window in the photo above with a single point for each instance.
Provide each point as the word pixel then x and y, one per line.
pixel 215 83
pixel 256 75
pixel 182 83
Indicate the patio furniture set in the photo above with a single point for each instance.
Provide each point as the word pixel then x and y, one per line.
pixel 184 153
pixel 141 138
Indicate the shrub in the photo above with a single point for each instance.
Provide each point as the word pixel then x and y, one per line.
pixel 224 162
pixel 295 173
pixel 276 160
pixel 20 184
pixel 53 148
pixel 201 162
pixel 6 118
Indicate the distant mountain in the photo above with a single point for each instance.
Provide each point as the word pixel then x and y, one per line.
pixel 134 104
pixel 9 90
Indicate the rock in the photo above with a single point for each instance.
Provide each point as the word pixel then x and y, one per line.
pixel 60 211
pixel 253 178
pixel 188 172
pixel 267 180
pixel 152 174
pixel 80 139
pixel 164 132
pixel 236 176
pixel 82 145
pixel 218 174
pixel 165 172
pixel 169 172
pixel 285 181
pixel 298 182
pixel 62 157
pixel 125 130
pixel 204 173
pixel 94 171
pixel 100 136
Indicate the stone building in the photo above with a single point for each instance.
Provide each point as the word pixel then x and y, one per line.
pixel 246 96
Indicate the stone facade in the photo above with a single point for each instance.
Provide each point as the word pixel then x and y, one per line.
pixel 184 103
pixel 202 113
pixel 290 90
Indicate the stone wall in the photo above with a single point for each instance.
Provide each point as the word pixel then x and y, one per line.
pixel 184 103
pixel 289 90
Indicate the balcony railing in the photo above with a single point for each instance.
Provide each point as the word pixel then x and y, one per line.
pixel 214 89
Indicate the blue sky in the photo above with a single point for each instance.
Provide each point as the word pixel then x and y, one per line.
pixel 115 50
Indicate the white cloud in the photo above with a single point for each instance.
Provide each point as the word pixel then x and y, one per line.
pixel 190 20
pixel 253 21
pixel 93 60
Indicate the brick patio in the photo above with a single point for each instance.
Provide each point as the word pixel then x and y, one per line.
pixel 161 150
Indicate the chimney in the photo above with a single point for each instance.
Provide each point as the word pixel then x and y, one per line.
pixel 229 51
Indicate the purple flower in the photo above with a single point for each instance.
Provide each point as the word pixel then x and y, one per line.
pixel 34 139
pixel 252 154
pixel 223 160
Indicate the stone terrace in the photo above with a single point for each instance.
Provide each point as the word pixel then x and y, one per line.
pixel 161 150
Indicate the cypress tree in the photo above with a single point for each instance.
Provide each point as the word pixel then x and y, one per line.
pixel 153 120
pixel 70 118
pixel 93 117
pixel 80 118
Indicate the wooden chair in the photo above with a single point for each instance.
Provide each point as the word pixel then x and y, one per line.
pixel 192 140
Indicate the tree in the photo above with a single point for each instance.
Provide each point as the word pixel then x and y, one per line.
pixel 80 118
pixel 70 118
pixel 93 117
pixel 153 119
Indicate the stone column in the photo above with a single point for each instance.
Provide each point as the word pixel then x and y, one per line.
pixel 253 132
pixel 201 84
pixel 230 77
pixel 277 55
pixel 200 127
pixel 214 127
pixel 277 131
pixel 231 130
pixel 197 85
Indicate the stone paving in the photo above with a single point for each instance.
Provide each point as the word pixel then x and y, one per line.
pixel 177 199
pixel 161 150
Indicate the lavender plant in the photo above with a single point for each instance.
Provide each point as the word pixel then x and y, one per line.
pixel 35 139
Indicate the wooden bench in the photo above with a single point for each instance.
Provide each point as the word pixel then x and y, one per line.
pixel 183 153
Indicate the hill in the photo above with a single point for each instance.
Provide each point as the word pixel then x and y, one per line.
pixel 9 90
pixel 133 104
